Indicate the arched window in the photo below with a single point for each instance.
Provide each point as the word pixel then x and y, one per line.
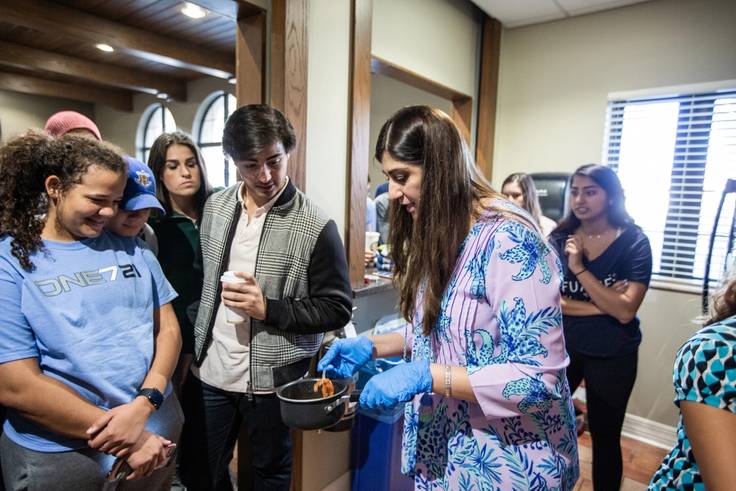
pixel 208 127
pixel 156 119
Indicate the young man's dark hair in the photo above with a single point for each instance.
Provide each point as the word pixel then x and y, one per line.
pixel 253 127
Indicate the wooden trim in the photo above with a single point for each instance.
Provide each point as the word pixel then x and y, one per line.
pixel 361 13
pixel 289 58
pixel 462 115
pixel 50 17
pixel 462 104
pixel 18 56
pixel 30 85
pixel 297 459
pixel 250 50
pixel 487 94
pixel 385 67
pixel 278 57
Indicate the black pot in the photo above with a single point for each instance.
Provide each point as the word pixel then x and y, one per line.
pixel 301 407
pixel 348 419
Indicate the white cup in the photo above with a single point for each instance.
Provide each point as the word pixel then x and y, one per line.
pixel 232 317
pixel 371 241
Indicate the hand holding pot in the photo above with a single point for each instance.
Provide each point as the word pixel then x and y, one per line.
pixel 346 356
pixel 397 385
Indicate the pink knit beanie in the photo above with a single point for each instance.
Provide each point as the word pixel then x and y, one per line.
pixel 65 121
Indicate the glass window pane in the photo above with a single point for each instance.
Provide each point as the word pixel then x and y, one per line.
pixel 214 122
pixel 215 165
pixel 154 127
pixel 645 166
pixel 721 166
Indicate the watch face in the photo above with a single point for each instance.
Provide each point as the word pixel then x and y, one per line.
pixel 153 395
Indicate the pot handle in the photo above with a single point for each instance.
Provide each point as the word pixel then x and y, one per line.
pixel 340 400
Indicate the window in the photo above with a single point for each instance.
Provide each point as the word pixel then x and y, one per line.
pixel 156 119
pixel 209 125
pixel 674 155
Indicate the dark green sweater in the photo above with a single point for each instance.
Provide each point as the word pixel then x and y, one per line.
pixel 178 244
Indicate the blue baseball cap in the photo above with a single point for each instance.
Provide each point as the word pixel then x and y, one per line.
pixel 140 190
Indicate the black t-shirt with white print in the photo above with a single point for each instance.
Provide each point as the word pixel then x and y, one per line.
pixel 629 257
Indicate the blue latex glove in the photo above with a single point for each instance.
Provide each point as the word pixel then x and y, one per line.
pixel 346 356
pixel 397 385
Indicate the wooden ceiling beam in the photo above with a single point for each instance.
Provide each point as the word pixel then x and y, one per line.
pixel 50 17
pixel 37 86
pixel 18 56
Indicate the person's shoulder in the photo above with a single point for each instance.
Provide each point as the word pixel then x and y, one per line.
pixel 712 342
pixel 704 365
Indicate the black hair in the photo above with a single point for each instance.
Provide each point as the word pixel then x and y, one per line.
pixel 252 128
pixel 607 179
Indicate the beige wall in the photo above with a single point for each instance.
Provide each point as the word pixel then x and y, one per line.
pixel 554 82
pixel 435 38
pixel 438 39
pixel 120 127
pixel 327 107
pixel 555 77
pixel 387 97
pixel 19 112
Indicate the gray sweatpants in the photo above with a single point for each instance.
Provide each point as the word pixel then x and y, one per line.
pixel 84 469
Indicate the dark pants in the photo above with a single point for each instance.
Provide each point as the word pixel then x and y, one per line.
pixel 608 385
pixel 214 417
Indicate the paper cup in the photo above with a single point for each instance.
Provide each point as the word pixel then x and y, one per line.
pixel 232 317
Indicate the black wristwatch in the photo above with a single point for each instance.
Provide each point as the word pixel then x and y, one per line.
pixel 154 396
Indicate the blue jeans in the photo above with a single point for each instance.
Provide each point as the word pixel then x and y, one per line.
pixel 214 417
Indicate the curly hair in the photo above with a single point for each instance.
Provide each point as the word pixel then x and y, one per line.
pixel 724 301
pixel 25 163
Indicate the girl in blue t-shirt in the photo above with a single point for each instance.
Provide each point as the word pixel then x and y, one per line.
pixel 607 263
pixel 88 338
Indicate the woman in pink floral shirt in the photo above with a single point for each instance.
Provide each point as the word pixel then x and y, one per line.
pixel 489 407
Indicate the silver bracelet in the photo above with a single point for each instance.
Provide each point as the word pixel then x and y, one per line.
pixel 448 381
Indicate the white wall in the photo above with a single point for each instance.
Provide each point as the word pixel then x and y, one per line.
pixel 435 38
pixel 553 89
pixel 327 107
pixel 554 78
pixel 120 127
pixel 20 112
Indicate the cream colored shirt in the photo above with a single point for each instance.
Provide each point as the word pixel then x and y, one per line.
pixel 226 364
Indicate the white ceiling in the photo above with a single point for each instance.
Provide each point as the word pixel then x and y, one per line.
pixel 515 13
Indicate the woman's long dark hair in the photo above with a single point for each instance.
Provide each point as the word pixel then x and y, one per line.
pixel 425 248
pixel 157 163
pixel 529 191
pixel 25 163
pixel 607 179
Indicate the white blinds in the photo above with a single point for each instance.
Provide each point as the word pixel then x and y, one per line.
pixel 673 156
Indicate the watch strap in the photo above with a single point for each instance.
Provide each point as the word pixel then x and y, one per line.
pixel 154 396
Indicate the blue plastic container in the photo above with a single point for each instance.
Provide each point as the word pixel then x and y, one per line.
pixel 376 447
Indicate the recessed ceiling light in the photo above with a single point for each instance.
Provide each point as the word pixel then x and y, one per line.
pixel 233 80
pixel 162 95
pixel 193 11
pixel 104 47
